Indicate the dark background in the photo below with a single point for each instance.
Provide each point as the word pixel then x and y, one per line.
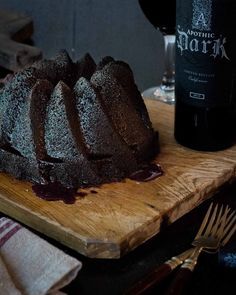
pixel 101 27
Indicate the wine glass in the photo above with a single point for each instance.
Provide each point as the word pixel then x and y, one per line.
pixel 161 15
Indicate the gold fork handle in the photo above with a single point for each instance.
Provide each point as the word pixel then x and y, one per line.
pixel 181 280
pixel 158 274
pixel 184 274
pixel 150 280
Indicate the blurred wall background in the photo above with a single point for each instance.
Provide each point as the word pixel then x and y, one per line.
pixel 100 27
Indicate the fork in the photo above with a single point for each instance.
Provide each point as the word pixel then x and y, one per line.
pixel 215 232
pixel 211 234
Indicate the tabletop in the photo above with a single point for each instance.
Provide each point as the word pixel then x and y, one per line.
pixel 114 276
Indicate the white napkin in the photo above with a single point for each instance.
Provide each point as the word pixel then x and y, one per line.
pixel 31 266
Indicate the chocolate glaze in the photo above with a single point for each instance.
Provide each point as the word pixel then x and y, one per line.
pixel 54 192
pixel 147 173
pixel 81 194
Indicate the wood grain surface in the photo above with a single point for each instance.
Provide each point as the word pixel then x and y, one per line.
pixel 121 216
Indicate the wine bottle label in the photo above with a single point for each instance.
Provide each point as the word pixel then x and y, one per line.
pixel 202 14
pixel 204 52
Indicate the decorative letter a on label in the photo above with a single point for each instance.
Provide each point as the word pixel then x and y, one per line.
pixel 202 12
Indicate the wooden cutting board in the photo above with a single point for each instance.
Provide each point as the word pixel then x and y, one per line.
pixel 121 216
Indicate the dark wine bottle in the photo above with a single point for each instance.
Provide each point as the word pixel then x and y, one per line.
pixel 205 89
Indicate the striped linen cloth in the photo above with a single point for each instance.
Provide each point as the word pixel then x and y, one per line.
pixel 31 266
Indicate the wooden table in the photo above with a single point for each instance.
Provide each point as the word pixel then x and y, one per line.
pixel 114 276
pixel 106 277
pixel 121 216
pixel 99 276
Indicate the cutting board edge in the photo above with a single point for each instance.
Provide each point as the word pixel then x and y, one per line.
pixel 174 213
pixel 93 248
pixel 41 224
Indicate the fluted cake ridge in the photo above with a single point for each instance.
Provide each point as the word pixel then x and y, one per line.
pixel 76 123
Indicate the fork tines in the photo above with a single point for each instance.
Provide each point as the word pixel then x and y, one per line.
pixel 219 222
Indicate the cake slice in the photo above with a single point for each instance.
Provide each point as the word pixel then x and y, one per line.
pixel 123 73
pixel 28 133
pixel 39 98
pixel 104 61
pixel 124 117
pixel 85 66
pixel 63 141
pixel 59 140
pixel 59 68
pixel 103 141
pixel 12 100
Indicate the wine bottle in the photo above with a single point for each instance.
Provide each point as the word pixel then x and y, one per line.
pixel 205 89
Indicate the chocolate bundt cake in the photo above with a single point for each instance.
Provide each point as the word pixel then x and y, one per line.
pixel 78 124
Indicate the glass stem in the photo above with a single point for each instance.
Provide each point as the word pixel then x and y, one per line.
pixel 168 81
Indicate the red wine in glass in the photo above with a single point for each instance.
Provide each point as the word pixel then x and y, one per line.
pixel 161 14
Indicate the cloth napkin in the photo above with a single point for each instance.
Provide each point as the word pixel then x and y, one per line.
pixel 31 266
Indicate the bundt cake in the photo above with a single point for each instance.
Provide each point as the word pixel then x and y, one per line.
pixel 77 124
